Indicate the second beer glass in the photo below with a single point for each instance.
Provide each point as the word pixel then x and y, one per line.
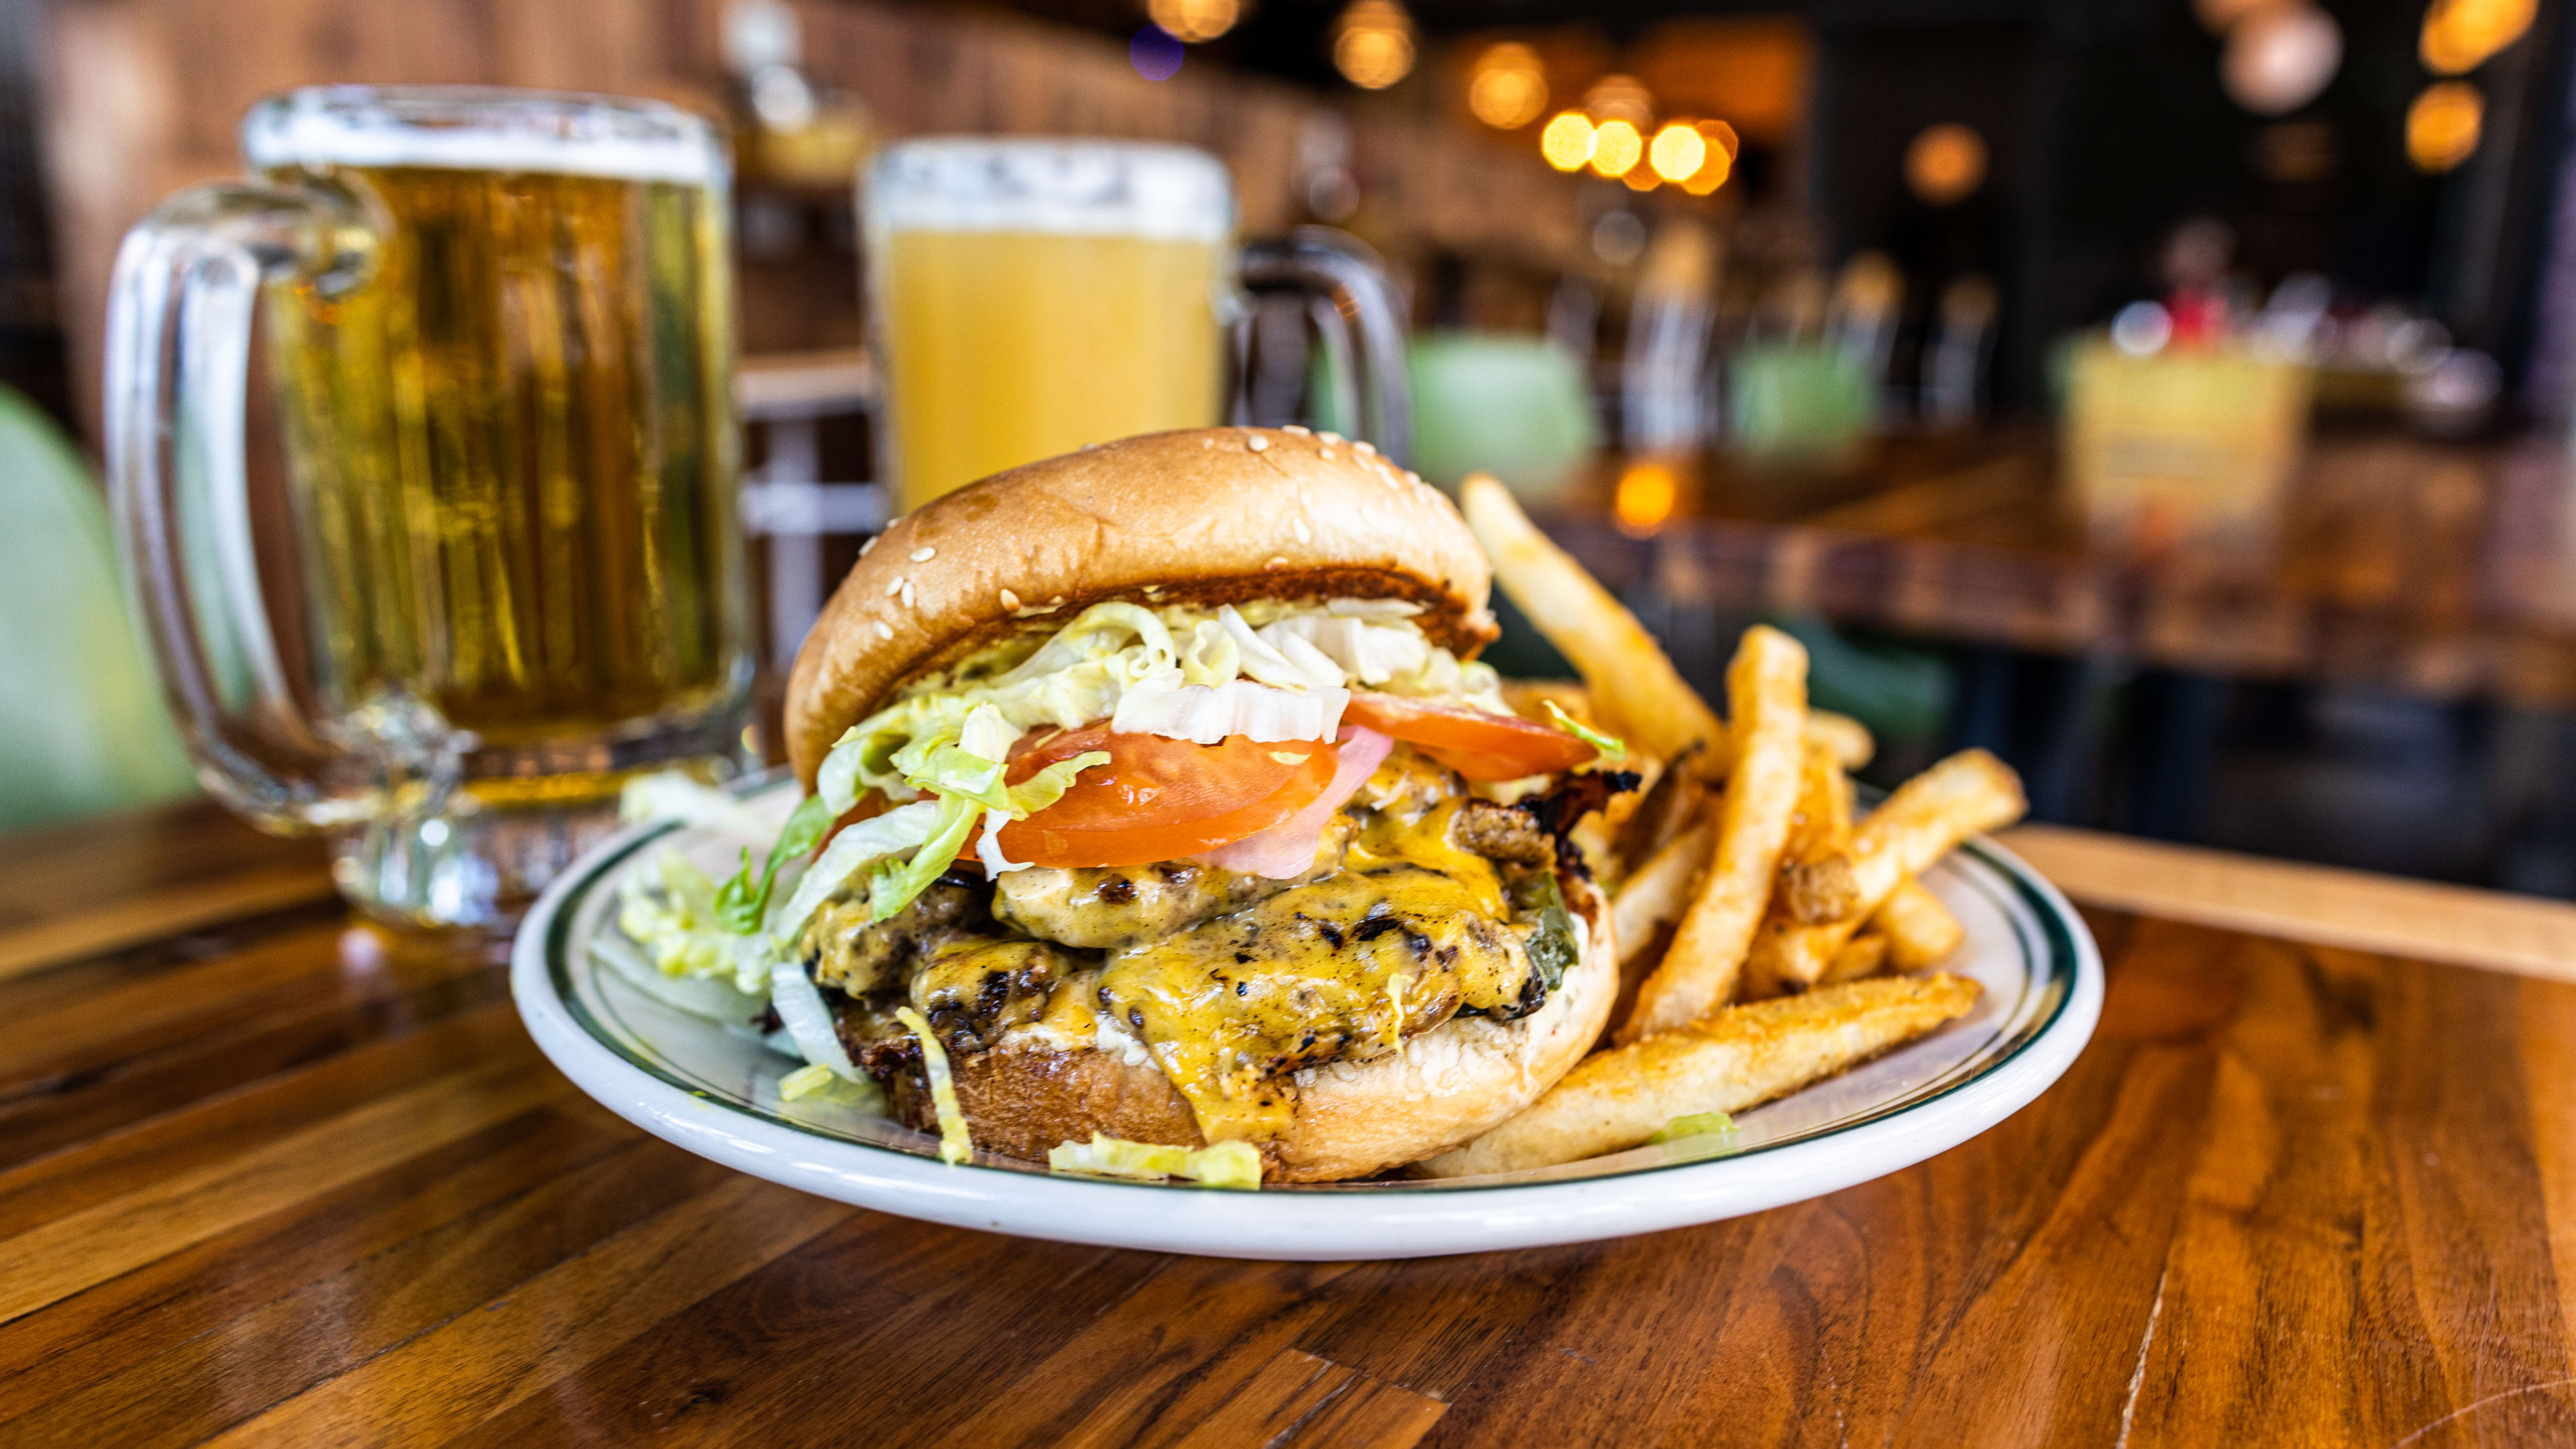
pixel 1030 296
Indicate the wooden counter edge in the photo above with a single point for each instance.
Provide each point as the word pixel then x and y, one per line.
pixel 2456 925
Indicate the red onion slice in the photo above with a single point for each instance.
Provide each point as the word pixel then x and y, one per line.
pixel 1288 848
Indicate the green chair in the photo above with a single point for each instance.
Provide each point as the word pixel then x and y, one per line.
pixel 82 726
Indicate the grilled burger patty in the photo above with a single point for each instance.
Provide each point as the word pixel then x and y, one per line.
pixel 1423 903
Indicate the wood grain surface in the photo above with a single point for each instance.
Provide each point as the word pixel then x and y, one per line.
pixel 2444 570
pixel 277 1178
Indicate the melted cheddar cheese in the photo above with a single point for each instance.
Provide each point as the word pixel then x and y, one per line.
pixel 1409 932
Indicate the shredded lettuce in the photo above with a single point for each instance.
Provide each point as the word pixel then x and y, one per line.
pixel 1697 1124
pixel 955 1146
pixel 892 882
pixel 668 907
pixel 1610 746
pixel 712 997
pixel 741 905
pixel 809 1021
pixel 822 1083
pixel 858 846
pixel 1227 1164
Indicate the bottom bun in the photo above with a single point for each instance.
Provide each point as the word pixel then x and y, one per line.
pixel 1353 1119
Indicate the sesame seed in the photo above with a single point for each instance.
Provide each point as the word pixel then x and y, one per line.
pixel 1277 561
pixel 884 629
pixel 908 594
pixel 1010 600
pixel 1364 448
pixel 924 555
pixel 1299 429
pixel 871 543
pixel 1257 443
pixel 1330 437
pixel 894 587
pixel 1207 442
pixel 1304 534
pixel 1412 477
pixel 1325 453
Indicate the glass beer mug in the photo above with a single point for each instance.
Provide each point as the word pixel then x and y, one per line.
pixel 1027 297
pixel 509 573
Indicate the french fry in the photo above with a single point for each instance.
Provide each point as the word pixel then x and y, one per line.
pixel 1862 955
pixel 1766 691
pixel 1821 827
pixel 1921 933
pixel 1633 685
pixel 1656 893
pixel 1846 737
pixel 1966 794
pixel 1742 1057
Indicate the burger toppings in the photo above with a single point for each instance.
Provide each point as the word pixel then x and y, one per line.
pixel 1198 835
pixel 1227 1164
pixel 955 1146
pixel 1161 799
pixel 1118 906
pixel 1288 849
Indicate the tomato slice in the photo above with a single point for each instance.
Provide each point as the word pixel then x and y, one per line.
pixel 1477 745
pixel 1160 799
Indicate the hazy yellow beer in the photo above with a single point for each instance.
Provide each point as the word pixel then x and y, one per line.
pixel 500 336
pixel 1029 297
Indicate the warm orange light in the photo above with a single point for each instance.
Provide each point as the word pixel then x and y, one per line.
pixel 1679 150
pixel 1645 498
pixel 1620 98
pixel 1615 147
pixel 1719 161
pixel 1373 44
pixel 1567 141
pixel 1507 89
pixel 1945 164
pixel 1641 177
pixel 1195 21
pixel 2442 126
pixel 2460 35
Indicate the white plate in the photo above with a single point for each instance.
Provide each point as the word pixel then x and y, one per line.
pixel 714 1092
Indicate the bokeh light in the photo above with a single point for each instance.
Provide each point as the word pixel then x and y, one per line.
pixel 1507 88
pixel 1945 164
pixel 2460 35
pixel 1645 497
pixel 1373 44
pixel 1195 21
pixel 2280 59
pixel 1567 141
pixel 1616 146
pixel 1620 98
pixel 1156 53
pixel 2442 126
pixel 1719 163
pixel 1678 151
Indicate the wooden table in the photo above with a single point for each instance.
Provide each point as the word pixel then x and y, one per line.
pixel 267 1176
pixel 2447 571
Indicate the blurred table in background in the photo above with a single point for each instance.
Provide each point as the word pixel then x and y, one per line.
pixel 2446 571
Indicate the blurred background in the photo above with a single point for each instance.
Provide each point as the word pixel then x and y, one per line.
pixel 2172 396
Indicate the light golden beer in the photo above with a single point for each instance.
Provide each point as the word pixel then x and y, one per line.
pixel 1003 347
pixel 1030 296
pixel 512 449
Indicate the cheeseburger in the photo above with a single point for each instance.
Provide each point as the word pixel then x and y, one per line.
pixel 1160 800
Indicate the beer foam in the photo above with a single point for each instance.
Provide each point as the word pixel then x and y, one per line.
pixel 465 128
pixel 1091 188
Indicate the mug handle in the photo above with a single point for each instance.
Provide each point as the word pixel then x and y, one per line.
pixel 178 359
pixel 1341 270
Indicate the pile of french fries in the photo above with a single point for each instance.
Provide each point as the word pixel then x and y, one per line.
pixel 1767 938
